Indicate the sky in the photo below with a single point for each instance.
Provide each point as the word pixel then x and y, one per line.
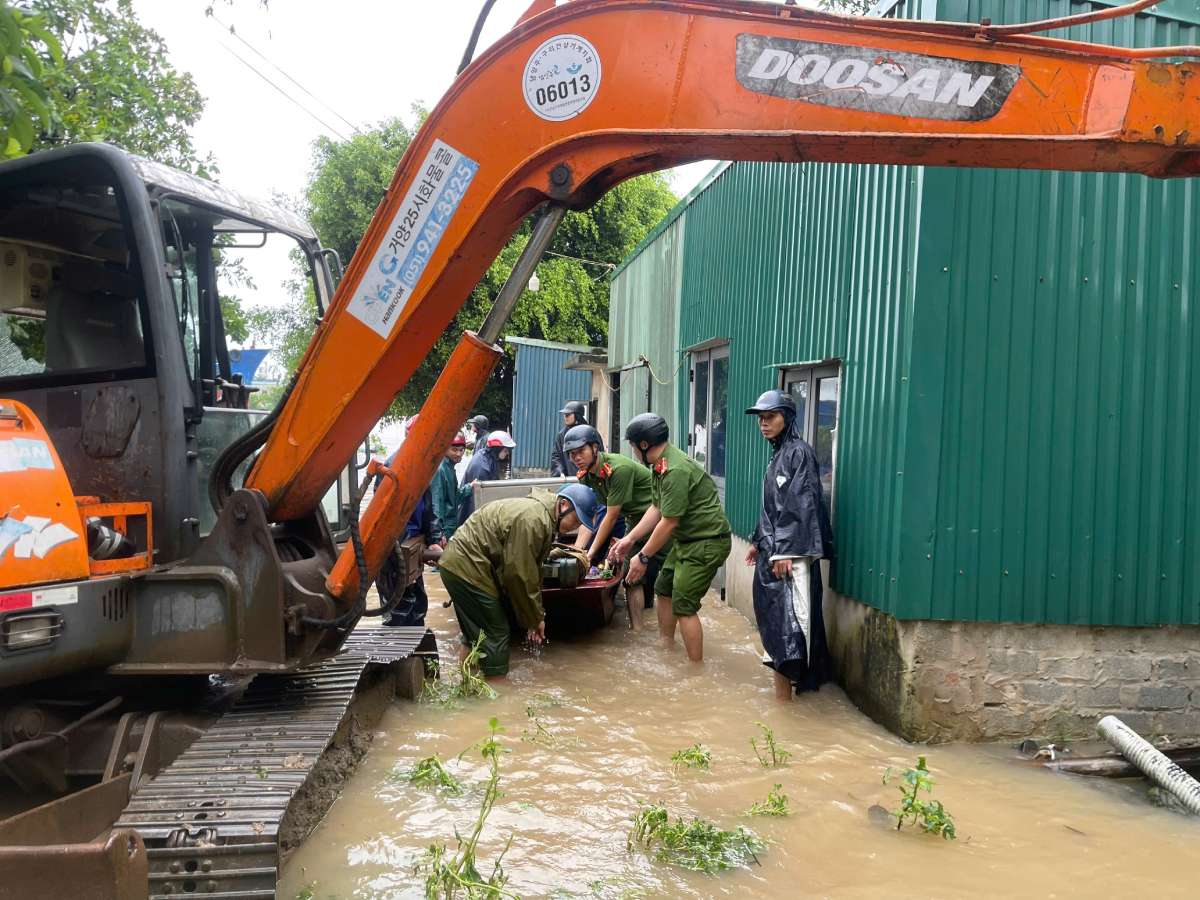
pixel 352 64
pixel 362 60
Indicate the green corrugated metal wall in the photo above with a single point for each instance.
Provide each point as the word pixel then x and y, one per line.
pixel 1050 473
pixel 644 321
pixel 802 262
pixel 1017 416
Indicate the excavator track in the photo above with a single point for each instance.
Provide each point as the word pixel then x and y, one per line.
pixel 215 821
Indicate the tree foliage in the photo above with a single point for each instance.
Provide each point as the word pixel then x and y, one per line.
pixel 116 83
pixel 27 48
pixel 347 182
pixel 849 7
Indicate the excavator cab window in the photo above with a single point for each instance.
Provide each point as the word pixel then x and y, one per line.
pixel 211 258
pixel 71 307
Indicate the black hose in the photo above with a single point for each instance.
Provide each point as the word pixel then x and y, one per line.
pixel 359 609
pixel 220 480
pixel 469 54
pixel 62 734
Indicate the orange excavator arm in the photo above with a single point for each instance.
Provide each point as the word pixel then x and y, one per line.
pixel 578 97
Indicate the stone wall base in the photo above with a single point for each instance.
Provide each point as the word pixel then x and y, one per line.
pixel 984 681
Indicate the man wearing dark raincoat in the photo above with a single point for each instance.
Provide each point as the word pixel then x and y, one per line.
pixel 792 536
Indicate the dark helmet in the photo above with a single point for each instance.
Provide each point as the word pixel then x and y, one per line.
pixel 480 423
pixel 578 436
pixel 576 409
pixel 773 400
pixel 649 428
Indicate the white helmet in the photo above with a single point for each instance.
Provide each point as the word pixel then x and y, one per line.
pixel 500 439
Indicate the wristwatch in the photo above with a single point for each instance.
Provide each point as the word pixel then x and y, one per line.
pixel 643 558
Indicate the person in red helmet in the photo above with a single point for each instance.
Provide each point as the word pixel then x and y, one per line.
pixel 447 495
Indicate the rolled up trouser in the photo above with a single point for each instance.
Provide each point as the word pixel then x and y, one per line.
pixel 689 570
pixel 478 614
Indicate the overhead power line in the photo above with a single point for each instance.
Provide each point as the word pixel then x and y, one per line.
pixel 274 65
pixel 249 65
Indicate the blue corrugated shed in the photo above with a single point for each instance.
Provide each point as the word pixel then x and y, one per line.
pixel 540 388
pixel 246 362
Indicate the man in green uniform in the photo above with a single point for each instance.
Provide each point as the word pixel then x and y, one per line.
pixel 492 569
pixel 687 508
pixel 447 495
pixel 625 488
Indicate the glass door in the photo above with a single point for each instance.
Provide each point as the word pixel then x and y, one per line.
pixel 709 410
pixel 817 393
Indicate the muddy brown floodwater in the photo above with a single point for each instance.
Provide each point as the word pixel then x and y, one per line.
pixel 619 706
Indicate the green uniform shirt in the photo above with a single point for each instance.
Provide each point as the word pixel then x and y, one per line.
pixel 684 491
pixel 500 550
pixel 628 486
pixel 447 497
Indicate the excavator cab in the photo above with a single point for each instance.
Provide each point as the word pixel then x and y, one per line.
pixel 117 394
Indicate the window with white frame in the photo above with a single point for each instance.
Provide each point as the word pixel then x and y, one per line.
pixel 817 392
pixel 709 409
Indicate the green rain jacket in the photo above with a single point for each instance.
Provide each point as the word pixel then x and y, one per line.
pixel 447 497
pixel 500 550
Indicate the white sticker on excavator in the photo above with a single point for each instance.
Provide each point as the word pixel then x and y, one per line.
pixel 62 596
pixel 19 454
pixel 421 219
pixel 562 77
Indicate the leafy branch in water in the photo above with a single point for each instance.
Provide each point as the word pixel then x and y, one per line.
pixel 456 875
pixel 772 756
pixel 776 804
pixel 696 845
pixel 470 683
pixel 431 772
pixel 929 814
pixel 696 756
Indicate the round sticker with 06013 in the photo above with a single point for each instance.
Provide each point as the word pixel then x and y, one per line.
pixel 562 77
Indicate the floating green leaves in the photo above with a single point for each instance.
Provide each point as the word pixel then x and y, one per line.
pixel 776 804
pixel 469 685
pixel 696 845
pixel 696 756
pixel 431 772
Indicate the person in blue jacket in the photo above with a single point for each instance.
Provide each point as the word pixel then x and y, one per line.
pixel 487 464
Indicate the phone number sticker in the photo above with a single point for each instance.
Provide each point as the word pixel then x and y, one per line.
pixel 417 228
pixel 562 77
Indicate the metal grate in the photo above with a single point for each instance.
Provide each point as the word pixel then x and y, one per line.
pixel 114 604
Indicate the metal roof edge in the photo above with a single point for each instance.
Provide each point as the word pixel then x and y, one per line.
pixel 1186 11
pixel 675 212
pixel 586 362
pixel 227 199
pixel 553 345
